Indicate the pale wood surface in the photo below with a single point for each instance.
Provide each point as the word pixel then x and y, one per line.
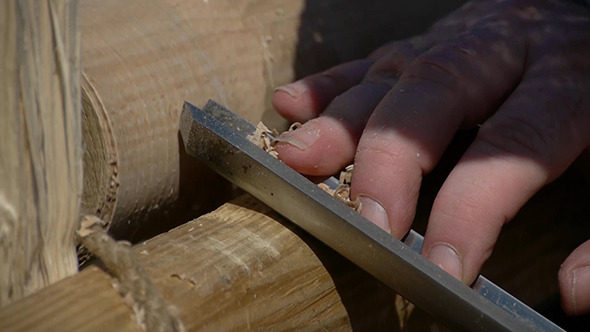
pixel 242 266
pixel 239 267
pixel 84 302
pixel 143 59
pixel 41 144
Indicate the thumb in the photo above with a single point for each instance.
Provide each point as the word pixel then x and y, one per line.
pixel 574 281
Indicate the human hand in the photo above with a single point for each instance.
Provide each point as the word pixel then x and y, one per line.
pixel 518 69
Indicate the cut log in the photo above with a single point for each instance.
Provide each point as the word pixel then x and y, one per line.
pixel 242 266
pixel 41 144
pixel 239 267
pixel 143 59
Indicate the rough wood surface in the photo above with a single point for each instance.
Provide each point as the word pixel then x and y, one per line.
pixel 41 144
pixel 143 59
pixel 240 267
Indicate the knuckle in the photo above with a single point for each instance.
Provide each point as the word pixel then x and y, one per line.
pixel 533 137
pixel 391 65
pixel 377 151
pixel 389 152
pixel 389 48
pixel 347 74
pixel 443 65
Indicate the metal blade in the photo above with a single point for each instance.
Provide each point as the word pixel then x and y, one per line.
pixel 217 136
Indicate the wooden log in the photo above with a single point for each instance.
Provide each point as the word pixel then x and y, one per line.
pixel 41 144
pixel 239 267
pixel 242 266
pixel 143 59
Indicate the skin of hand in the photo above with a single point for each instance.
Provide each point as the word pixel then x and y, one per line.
pixel 517 69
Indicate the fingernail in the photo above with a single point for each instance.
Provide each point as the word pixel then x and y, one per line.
pixel 581 289
pixel 294 90
pixel 446 257
pixel 375 212
pixel 303 137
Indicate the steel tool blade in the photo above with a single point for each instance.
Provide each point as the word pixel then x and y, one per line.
pixel 217 136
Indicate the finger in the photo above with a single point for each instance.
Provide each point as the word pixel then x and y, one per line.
pixel 327 144
pixel 456 83
pixel 530 141
pixel 574 281
pixel 307 98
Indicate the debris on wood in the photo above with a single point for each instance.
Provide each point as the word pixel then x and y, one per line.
pixel 265 139
pixel 346 175
pixel 342 192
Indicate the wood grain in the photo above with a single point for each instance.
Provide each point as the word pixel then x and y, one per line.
pixel 244 267
pixel 143 59
pixel 239 267
pixel 41 145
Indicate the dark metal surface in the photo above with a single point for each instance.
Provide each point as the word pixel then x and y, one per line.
pixel 217 136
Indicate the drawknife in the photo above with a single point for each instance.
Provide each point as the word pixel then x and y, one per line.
pixel 217 137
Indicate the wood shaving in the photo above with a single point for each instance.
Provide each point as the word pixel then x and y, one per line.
pixel 346 175
pixel 265 139
pixel 342 192
pixel 295 126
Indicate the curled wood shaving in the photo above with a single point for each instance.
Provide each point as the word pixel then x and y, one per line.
pixel 346 175
pixel 265 139
pixel 342 192
pixel 295 126
pixel 290 140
